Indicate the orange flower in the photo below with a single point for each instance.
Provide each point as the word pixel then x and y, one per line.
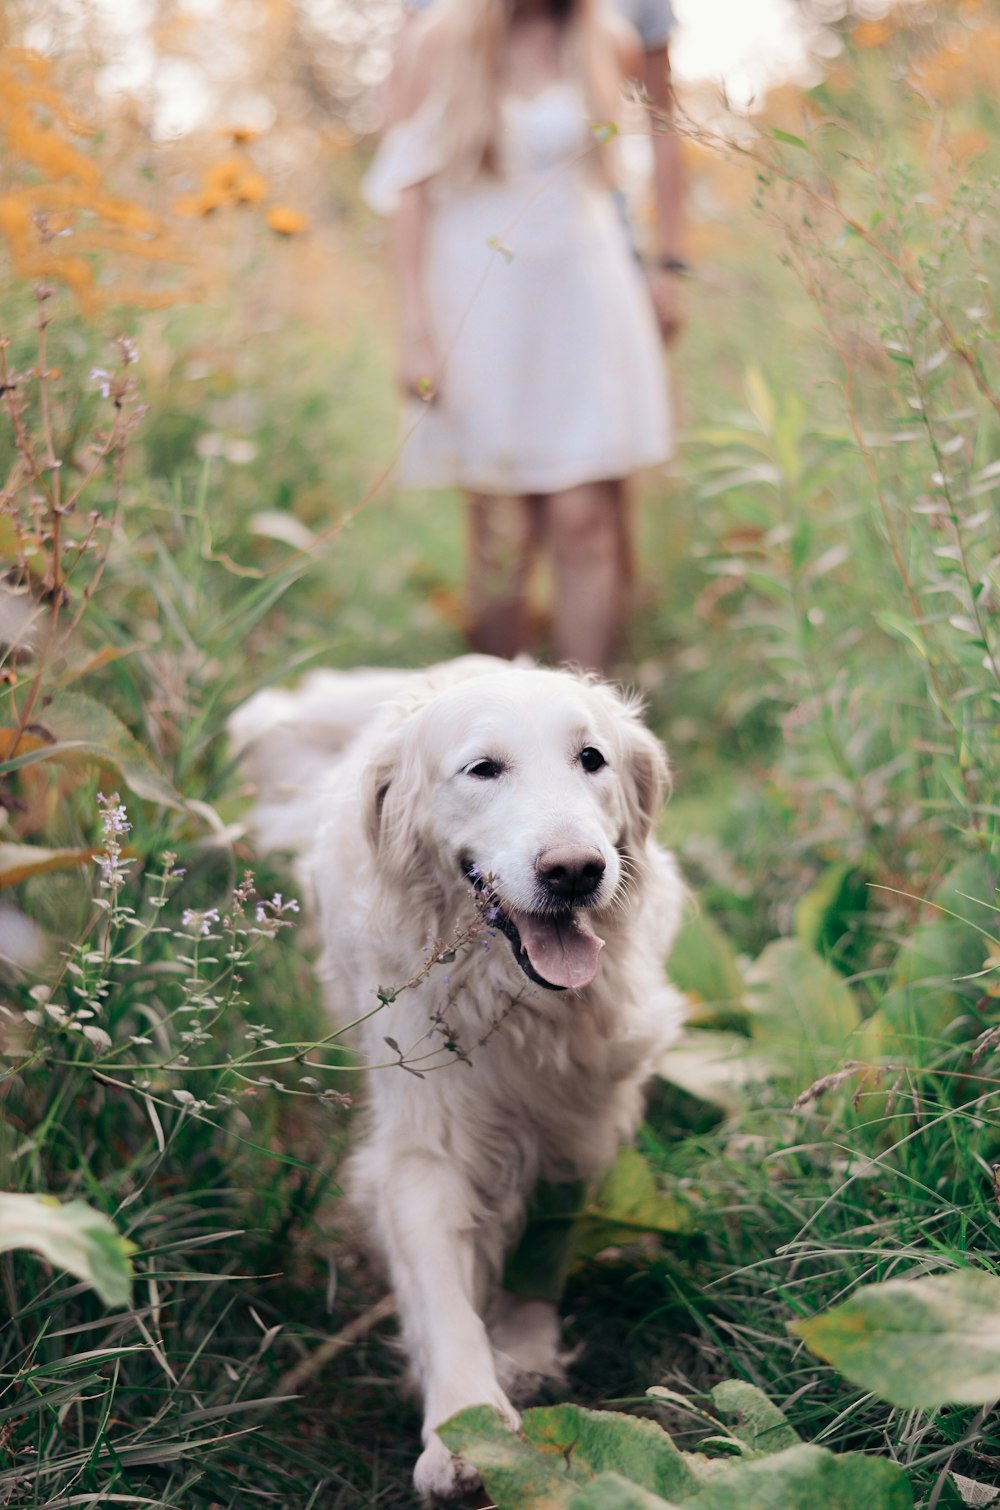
pixel 189 206
pixel 871 34
pixel 286 222
pixel 971 143
pixel 250 189
pixel 232 180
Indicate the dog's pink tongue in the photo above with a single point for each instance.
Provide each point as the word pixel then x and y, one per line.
pixel 564 951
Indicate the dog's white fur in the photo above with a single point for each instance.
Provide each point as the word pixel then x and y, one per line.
pixel 372 775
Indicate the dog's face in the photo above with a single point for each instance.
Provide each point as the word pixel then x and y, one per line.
pixel 539 789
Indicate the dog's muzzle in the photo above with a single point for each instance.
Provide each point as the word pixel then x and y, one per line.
pixel 556 947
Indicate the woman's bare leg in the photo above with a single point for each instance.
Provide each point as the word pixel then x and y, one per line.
pixel 589 535
pixel 503 540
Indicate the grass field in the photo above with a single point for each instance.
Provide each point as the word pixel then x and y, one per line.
pixel 816 635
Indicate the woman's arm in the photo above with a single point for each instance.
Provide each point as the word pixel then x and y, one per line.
pixel 668 191
pixel 418 360
pixel 650 69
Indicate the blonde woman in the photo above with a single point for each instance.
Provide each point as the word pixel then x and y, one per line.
pixel 528 341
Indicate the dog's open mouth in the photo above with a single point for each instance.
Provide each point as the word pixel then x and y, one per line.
pixel 557 950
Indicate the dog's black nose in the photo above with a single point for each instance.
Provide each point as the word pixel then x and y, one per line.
pixel 570 874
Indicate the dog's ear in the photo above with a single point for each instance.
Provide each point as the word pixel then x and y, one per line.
pixel 392 798
pixel 375 784
pixel 646 774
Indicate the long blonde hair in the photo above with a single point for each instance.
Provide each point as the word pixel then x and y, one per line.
pixel 472 36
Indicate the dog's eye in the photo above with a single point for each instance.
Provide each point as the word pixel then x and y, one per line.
pixel 591 759
pixel 485 770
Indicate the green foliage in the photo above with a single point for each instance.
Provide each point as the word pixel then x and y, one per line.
pixel 703 966
pixel 72 1236
pixel 922 1342
pixel 936 974
pixel 566 1226
pixel 801 1011
pixel 817 637
pixel 585 1459
pixel 831 916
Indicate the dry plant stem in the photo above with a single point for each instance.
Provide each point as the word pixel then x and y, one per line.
pixel 291 1382
pixel 46 476
pixel 36 475
pixel 115 444
pixel 953 515
pixel 51 460
pixel 831 205
pixel 954 343
pixel 815 292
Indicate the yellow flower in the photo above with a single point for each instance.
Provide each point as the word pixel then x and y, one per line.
pixel 286 222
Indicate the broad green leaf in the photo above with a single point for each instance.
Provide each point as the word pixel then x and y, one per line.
pixel 82 729
pixel 541 1262
pixel 594 1442
pixel 826 915
pixel 929 988
pixel 801 1011
pixel 565 1227
pixel 702 965
pixel 902 629
pixel 761 1424
pixel 514 1473
pixel 609 1491
pixel 806 1478
pixel 627 1204
pixel 18 862
pixel 73 1237
pixel 562 1450
pixel 916 1343
pixel 569 1458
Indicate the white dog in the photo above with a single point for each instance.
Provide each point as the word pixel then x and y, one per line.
pixel 482 836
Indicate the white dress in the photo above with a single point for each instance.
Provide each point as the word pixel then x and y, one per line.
pixel 552 373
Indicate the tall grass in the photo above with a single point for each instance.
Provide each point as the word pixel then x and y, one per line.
pixel 817 637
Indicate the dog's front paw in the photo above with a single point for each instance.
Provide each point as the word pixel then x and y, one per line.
pixel 441 1475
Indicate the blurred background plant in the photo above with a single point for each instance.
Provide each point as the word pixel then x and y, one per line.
pixel 196 452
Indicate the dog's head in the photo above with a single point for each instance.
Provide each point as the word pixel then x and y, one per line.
pixel 539 789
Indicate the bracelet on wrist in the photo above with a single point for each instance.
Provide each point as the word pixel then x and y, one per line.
pixel 673 265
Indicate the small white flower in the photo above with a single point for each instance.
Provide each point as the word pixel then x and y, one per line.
pixel 201 922
pixel 102 377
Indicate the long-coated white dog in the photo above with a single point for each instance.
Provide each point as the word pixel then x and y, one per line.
pixel 481 835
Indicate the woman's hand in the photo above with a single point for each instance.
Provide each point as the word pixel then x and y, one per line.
pixel 666 294
pixel 418 368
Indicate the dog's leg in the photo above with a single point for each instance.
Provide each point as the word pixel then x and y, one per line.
pixel 527 1345
pixel 430 1229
